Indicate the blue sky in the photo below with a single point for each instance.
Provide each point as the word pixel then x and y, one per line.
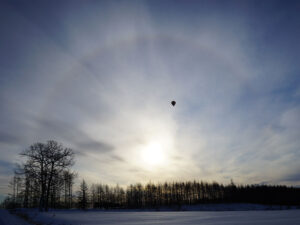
pixel 98 76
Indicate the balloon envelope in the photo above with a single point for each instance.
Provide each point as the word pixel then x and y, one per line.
pixel 173 103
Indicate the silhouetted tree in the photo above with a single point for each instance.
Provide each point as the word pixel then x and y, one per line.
pixel 68 179
pixel 83 195
pixel 44 164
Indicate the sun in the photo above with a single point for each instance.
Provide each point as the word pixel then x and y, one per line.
pixel 153 154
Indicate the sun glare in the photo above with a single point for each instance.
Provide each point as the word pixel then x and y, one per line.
pixel 153 154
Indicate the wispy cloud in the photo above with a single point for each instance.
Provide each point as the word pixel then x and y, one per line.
pixel 99 77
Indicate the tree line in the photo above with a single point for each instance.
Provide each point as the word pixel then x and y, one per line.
pixel 176 194
pixel 45 180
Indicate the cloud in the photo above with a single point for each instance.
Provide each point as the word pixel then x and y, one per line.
pixel 101 83
pixel 8 138
pixel 6 167
pixel 294 177
pixel 118 158
pixel 95 145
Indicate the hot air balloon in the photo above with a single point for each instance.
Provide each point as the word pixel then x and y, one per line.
pixel 173 103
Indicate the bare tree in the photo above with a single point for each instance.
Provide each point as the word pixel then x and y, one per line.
pixel 44 163
pixel 68 179
pixel 83 195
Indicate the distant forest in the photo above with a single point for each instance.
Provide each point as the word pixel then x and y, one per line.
pixel 45 181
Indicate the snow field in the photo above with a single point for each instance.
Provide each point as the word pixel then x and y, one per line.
pixel 76 217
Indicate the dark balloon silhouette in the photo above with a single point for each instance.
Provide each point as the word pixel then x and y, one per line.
pixel 173 103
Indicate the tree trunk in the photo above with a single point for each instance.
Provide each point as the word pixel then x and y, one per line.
pixel 48 188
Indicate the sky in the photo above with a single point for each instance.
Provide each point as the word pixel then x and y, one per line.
pixel 99 76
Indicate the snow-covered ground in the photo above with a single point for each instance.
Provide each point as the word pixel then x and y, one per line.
pixel 8 219
pixel 234 207
pixel 76 217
